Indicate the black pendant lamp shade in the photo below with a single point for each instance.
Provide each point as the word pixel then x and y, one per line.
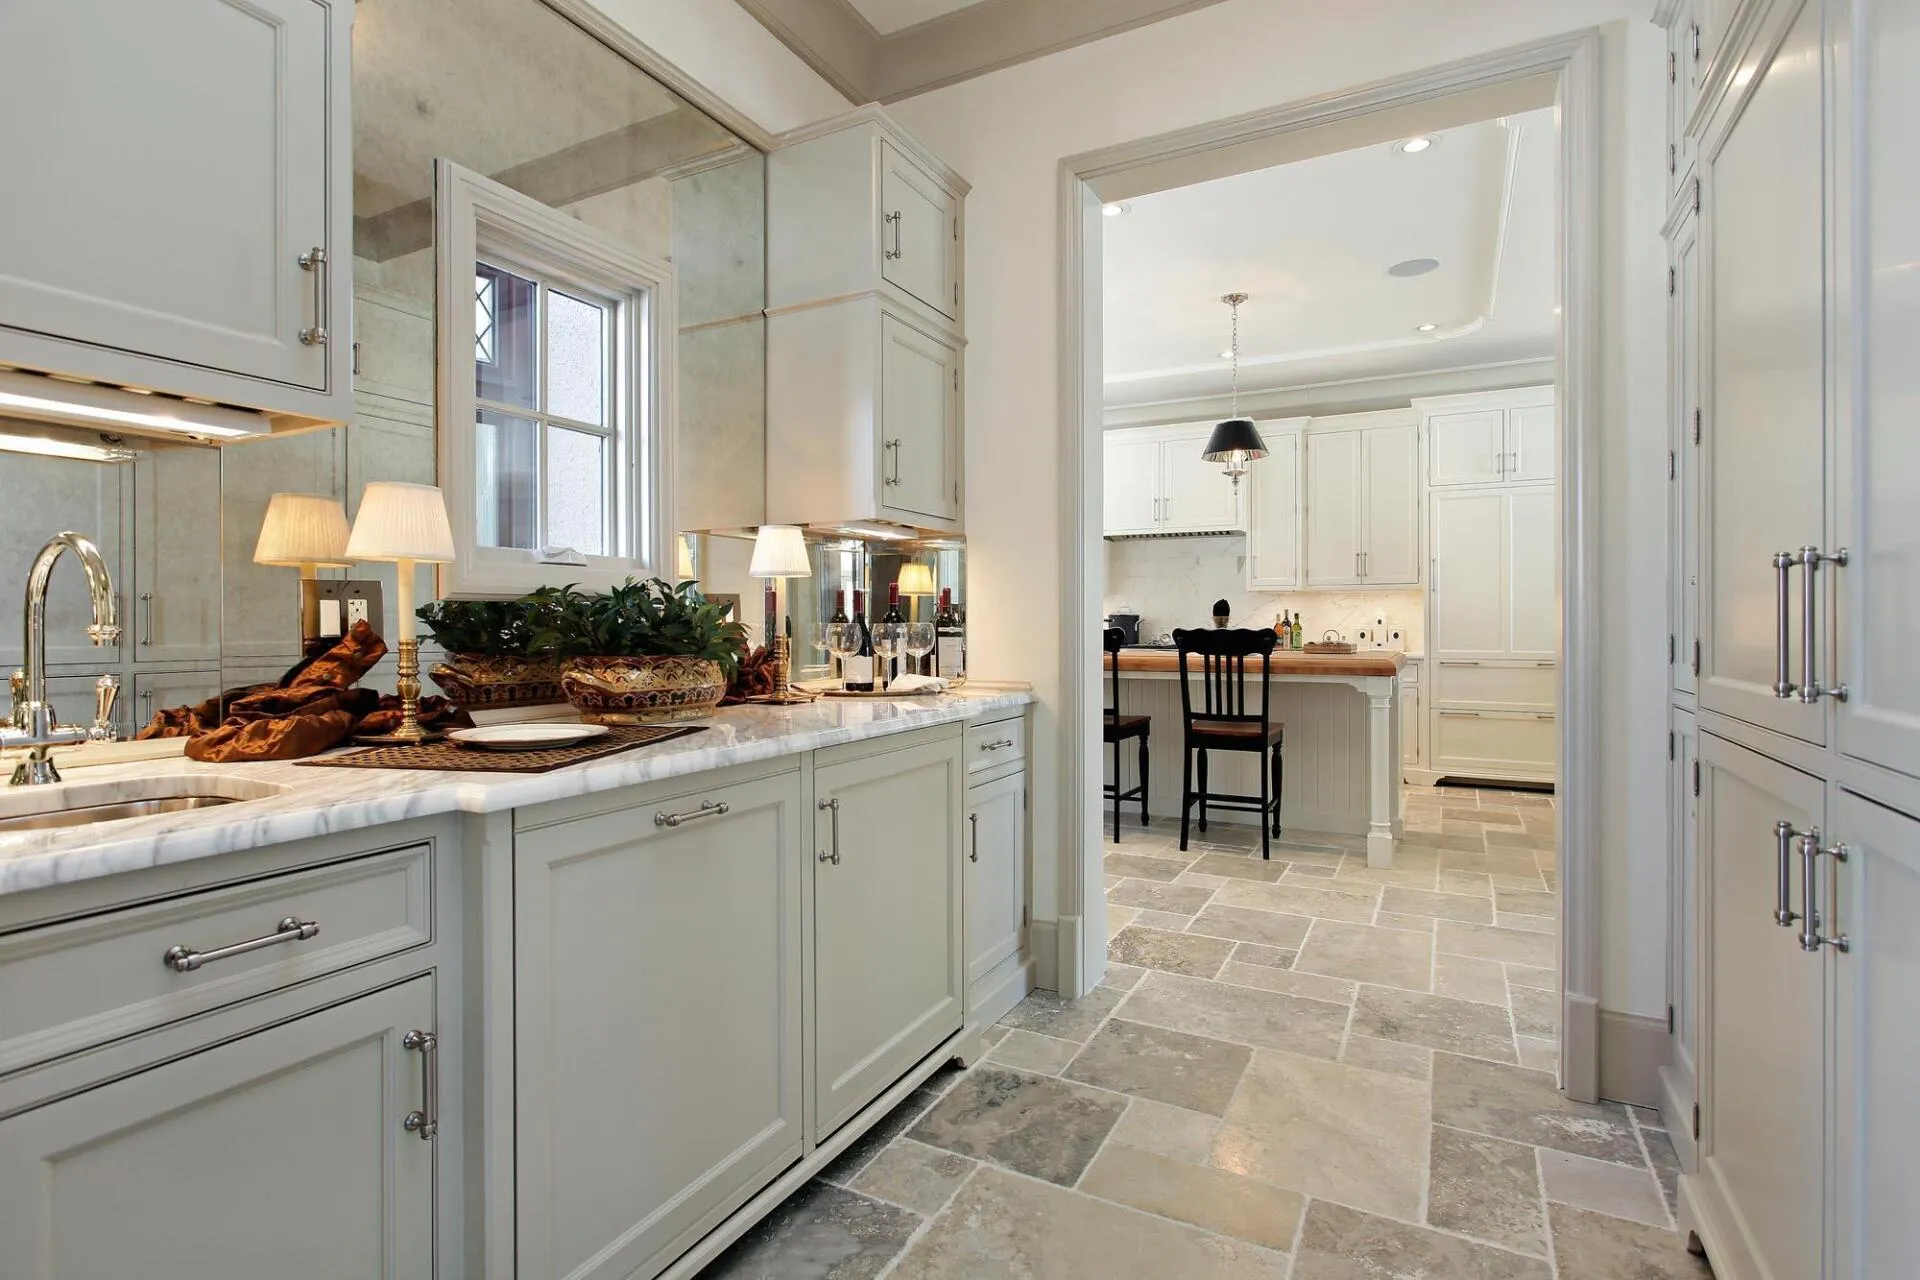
pixel 1234 440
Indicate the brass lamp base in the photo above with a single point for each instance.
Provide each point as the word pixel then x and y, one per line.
pixel 410 733
pixel 784 694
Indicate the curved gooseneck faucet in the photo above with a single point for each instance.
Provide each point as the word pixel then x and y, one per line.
pixel 33 725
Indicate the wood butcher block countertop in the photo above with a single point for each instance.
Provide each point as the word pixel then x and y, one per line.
pixel 1369 662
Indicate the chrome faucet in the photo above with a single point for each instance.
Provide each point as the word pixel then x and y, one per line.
pixel 32 724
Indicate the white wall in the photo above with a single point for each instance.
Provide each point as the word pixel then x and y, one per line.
pixel 1007 133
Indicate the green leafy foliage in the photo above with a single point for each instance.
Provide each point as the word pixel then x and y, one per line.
pixel 651 619
pixel 496 628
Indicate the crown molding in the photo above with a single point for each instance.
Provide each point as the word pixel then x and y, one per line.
pixel 1349 395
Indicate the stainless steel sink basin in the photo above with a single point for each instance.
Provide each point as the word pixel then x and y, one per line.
pixel 88 803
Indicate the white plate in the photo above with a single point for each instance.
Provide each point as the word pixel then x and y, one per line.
pixel 526 737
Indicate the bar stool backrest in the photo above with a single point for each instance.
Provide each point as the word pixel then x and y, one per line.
pixel 1223 655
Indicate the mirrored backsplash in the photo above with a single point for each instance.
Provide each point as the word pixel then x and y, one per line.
pixel 507 88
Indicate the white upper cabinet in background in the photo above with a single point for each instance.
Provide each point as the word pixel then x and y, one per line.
pixel 1273 510
pixel 1496 437
pixel 190 226
pixel 1156 482
pixel 1363 501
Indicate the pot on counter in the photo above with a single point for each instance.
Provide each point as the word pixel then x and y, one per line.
pixel 1129 625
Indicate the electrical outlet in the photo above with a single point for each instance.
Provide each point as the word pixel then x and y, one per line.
pixel 1363 638
pixel 1396 639
pixel 357 611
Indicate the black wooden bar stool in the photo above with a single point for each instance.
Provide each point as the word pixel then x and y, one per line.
pixel 1223 723
pixel 1117 729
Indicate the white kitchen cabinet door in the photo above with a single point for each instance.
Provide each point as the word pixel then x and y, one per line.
pixel 176 596
pixel 917 233
pixel 1680 1075
pixel 1130 483
pixel 1533 599
pixel 1532 443
pixel 889 980
pixel 1880 586
pixel 1467 448
pixel 1390 501
pixel 657 1023
pixel 1876 1039
pixel 1762 231
pixel 1470 579
pixel 919 422
pixel 1684 375
pixel 1196 495
pixel 996 877
pixel 183 159
pixel 90 499
pixel 283 1152
pixel 1494 744
pixel 1273 513
pixel 1333 508
pixel 1682 92
pixel 1413 724
pixel 1763 1047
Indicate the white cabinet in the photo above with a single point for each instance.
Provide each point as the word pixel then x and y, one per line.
pixel 1684 73
pixel 1273 511
pixel 1494 574
pixel 919 421
pixel 996 878
pixel 1161 467
pixel 1680 1075
pixel 1413 724
pixel 288 1145
pixel 920 230
pixel 1362 502
pixel 177 600
pixel 889 982
pixel 225 127
pixel 658 1003
pixel 1683 461
pixel 1493 437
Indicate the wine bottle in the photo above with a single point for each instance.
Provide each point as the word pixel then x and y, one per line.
pixel 893 617
pixel 949 639
pixel 839 616
pixel 857 671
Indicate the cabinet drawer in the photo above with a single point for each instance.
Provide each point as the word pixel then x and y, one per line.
pixel 1533 686
pixel 996 743
pixel 1494 742
pixel 68 986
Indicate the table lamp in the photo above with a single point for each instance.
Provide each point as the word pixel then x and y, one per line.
pixel 916 580
pixel 405 525
pixel 308 532
pixel 780 552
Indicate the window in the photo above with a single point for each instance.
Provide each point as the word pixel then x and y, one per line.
pixel 555 426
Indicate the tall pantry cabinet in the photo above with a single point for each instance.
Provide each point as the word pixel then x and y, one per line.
pixel 1796 470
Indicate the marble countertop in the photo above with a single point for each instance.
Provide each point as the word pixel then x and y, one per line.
pixel 322 801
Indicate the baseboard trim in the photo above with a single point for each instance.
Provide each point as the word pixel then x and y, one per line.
pixel 1043 938
pixel 995 995
pixel 1633 1048
pixel 1580 1047
pixel 1071 971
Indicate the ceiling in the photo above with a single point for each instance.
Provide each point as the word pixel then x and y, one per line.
pixel 1311 243
pixel 889 16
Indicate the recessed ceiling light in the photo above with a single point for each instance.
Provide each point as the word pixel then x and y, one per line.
pixel 1116 210
pixel 1413 146
pixel 1227 354
pixel 1413 267
pixel 1429 327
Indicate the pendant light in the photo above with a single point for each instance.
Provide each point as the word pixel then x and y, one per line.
pixel 1235 442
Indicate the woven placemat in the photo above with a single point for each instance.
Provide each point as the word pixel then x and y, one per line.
pixel 456 758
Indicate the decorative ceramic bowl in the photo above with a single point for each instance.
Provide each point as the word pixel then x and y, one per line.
pixel 643 690
pixel 480 681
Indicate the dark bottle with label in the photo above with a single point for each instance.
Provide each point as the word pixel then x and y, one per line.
pixel 893 617
pixel 839 616
pixel 857 669
pixel 949 639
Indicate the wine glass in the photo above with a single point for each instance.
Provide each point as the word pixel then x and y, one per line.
pixel 919 642
pixel 888 637
pixel 843 639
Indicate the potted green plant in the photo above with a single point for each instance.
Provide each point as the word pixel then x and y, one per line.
pixel 491 661
pixel 644 651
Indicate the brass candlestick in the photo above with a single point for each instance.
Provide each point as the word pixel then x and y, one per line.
pixel 411 732
pixel 784 694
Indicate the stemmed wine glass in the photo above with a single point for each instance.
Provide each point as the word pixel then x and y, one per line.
pixel 842 639
pixel 888 637
pixel 919 643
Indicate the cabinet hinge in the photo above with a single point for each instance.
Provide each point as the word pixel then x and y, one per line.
pixel 1673 649
pixel 1696 1122
pixel 1696 426
pixel 1696 195
pixel 1673 68
pixel 1673 158
pixel 1696 657
pixel 356 359
pixel 1023 916
pixel 956 491
pixel 1696 777
pixel 1672 466
pixel 1669 1019
pixel 1673 281
pixel 956 379
pixel 1672 745
pixel 956 295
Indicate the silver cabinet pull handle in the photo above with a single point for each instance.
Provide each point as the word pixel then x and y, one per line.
pixel 290 929
pixel 707 809
pixel 1811 559
pixel 314 260
pixel 1784 838
pixel 997 744
pixel 973 820
pixel 893 448
pixel 1809 901
pixel 1783 562
pixel 832 854
pixel 426 1120
pixel 894 220
pixel 146 614
pixel 1835 854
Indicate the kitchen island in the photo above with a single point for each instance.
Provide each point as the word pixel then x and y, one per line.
pixel 1342 752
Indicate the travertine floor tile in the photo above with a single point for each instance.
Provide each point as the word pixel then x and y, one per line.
pixel 1119 918
pixel 1535 1013
pixel 1156 895
pixel 1476 883
pixel 1235 867
pixel 1540 978
pixel 1468 978
pixel 1415 924
pixel 1189 953
pixel 1666 1165
pixel 1438 1022
pixel 1526 924
pixel 1486 1188
pixel 1411 1060
pixel 1368 953
pixel 1526 1106
pixel 823 1233
pixel 1441 906
pixel 1618 1190
pixel 1271 957
pixel 1121 977
pixel 1163 920
pixel 1298 900
pixel 1030 1051
pixel 1290 982
pixel 1263 1019
pixel 1533 903
pixel 1591 1246
pixel 1460 939
pixel 1142 867
pixel 1327 1129
pixel 1042 1127
pixel 1204 1196
pixel 1538 1055
pixel 1066 1019
pixel 1003 1226
pixel 1173 1067
pixel 1173 1132
pixel 1244 924
pixel 913 1174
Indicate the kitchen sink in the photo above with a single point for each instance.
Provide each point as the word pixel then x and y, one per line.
pixel 85 804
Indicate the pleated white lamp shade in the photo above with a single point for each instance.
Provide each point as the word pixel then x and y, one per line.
pixel 780 551
pixel 916 580
pixel 303 529
pixel 401 522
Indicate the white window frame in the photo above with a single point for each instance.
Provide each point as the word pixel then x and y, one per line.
pixel 477 218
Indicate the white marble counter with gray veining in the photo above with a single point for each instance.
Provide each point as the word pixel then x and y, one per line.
pixel 304 802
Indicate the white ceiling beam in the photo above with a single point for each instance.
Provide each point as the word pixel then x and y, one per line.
pixel 1352 395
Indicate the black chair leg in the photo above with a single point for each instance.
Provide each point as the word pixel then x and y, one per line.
pixel 1186 792
pixel 1278 776
pixel 1265 851
pixel 1118 787
pixel 1143 780
pixel 1203 788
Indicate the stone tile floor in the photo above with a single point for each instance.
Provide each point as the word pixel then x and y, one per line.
pixel 1299 1068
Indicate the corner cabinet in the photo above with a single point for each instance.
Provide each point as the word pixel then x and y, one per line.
pixel 230 122
pixel 1363 501
pixel 864 328
pixel 1156 482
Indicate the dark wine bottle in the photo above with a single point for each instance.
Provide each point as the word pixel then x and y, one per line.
pixel 949 639
pixel 839 616
pixel 893 617
pixel 857 670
